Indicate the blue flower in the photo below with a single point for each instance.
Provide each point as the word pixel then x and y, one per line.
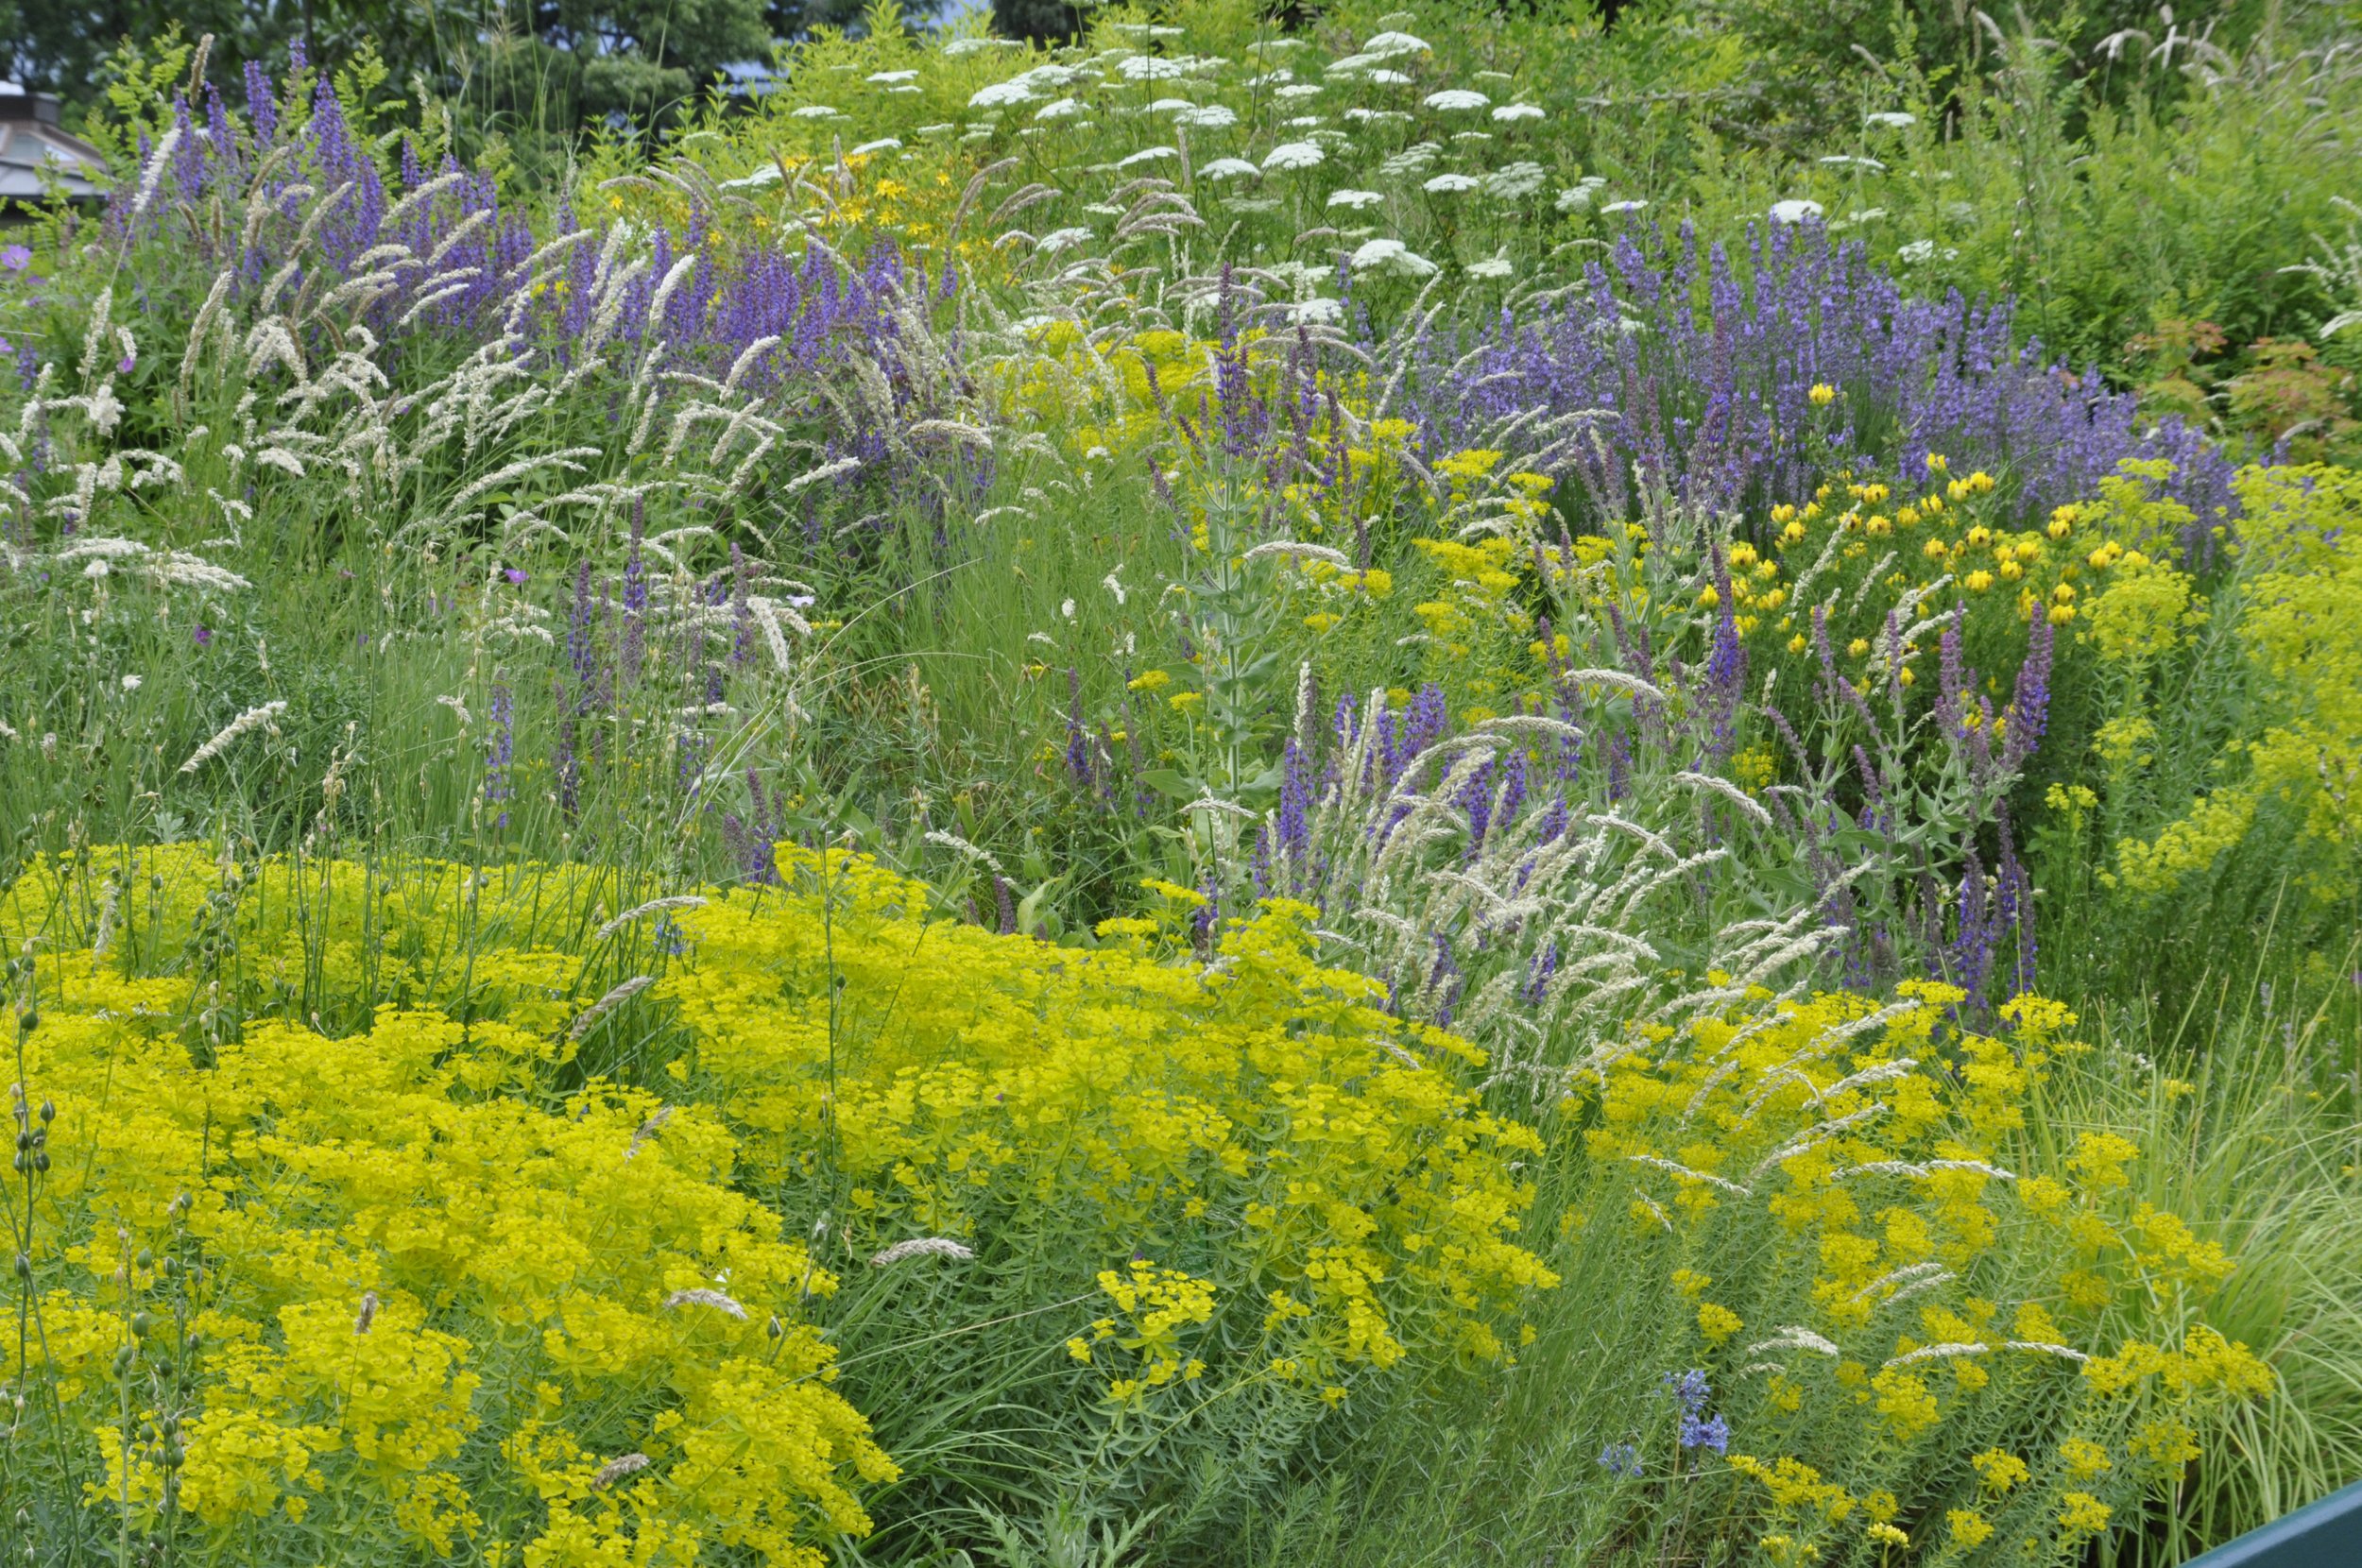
pixel 1714 1432
pixel 1622 1460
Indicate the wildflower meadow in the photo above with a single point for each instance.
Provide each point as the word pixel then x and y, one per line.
pixel 1349 784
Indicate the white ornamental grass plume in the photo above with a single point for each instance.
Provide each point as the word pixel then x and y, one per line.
pixel 591 1016
pixel 616 1469
pixel 653 906
pixel 923 1246
pixel 1461 930
pixel 246 722
pixel 714 1298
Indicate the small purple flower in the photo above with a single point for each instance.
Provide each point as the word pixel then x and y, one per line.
pixel 16 258
pixel 124 365
pixel 497 787
pixel 1622 1460
pixel 1691 1389
pixel 1713 1432
pixel 516 575
pixel 203 635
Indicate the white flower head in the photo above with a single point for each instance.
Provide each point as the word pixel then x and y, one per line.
pixel 1891 119
pixel 1151 67
pixel 1148 155
pixel 131 683
pixel 1847 161
pixel 1390 256
pixel 1623 207
pixel 1509 112
pixel 1063 239
pixel 1001 94
pixel 1451 184
pixel 888 78
pixel 1455 99
pixel 1385 78
pixel 816 111
pixel 884 143
pixel 1355 199
pixel 1387 45
pixel 1207 117
pixel 1228 168
pixel 1060 109
pixel 1300 91
pixel 1292 155
pixel 1514 182
pixel 1492 266
pixel 1318 311
pixel 1796 210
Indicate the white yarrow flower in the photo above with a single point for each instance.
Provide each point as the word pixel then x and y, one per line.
pixel 1228 168
pixel 1292 155
pixel 1453 99
pixel 1794 210
pixel 1509 112
pixel 1387 45
pixel 1390 256
pixel 1451 184
pixel 1355 199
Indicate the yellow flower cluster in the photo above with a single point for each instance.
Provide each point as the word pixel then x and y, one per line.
pixel 1911 1263
pixel 349 1235
pixel 2299 622
pixel 334 1212
pixel 1269 1094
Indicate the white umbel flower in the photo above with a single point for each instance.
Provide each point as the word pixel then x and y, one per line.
pixel 1456 99
pixel 1292 155
pixel 1390 256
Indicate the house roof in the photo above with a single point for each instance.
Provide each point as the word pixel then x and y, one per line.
pixel 32 142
